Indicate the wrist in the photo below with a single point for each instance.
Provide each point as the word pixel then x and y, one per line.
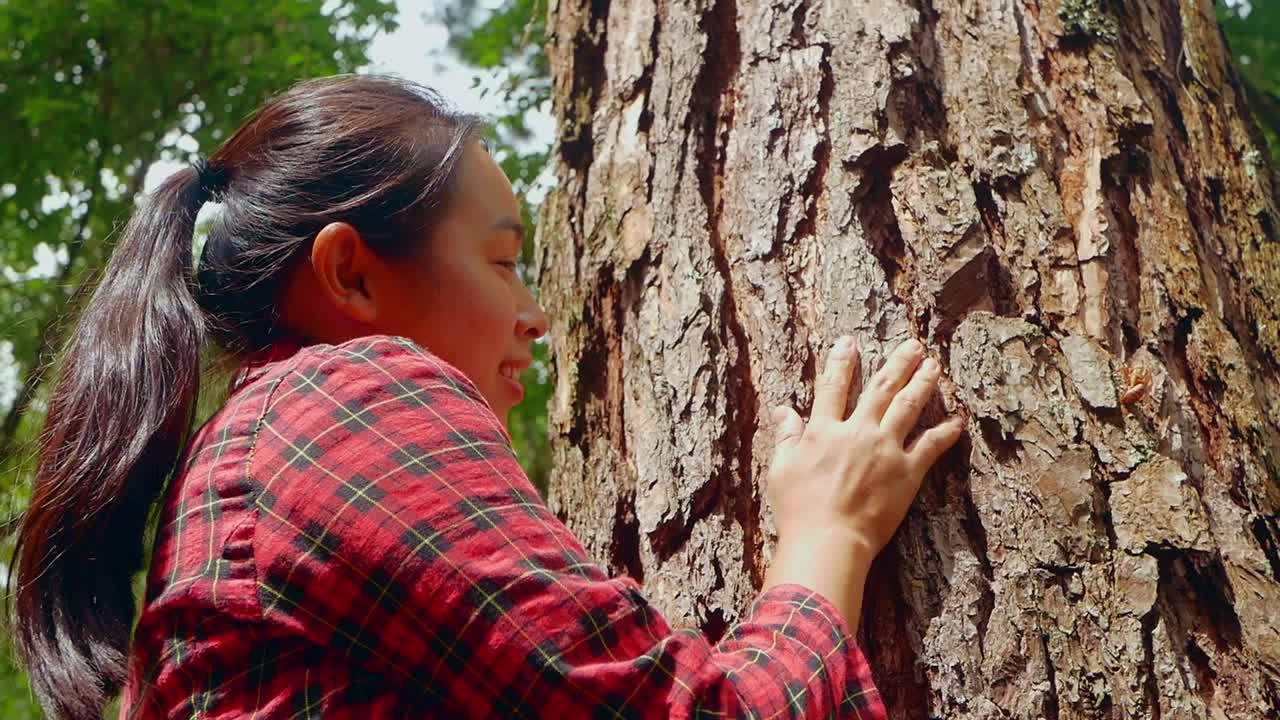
pixel 831 561
pixel 831 538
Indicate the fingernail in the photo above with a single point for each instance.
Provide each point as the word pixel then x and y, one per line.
pixel 844 343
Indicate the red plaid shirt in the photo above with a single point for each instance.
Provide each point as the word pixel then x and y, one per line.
pixel 352 537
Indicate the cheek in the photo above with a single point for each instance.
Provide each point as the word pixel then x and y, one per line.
pixel 419 299
pixel 468 312
pixel 495 300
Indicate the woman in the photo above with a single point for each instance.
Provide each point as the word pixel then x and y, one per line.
pixel 350 535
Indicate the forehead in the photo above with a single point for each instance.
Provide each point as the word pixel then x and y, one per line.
pixel 482 189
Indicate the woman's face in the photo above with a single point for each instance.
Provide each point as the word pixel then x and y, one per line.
pixel 463 299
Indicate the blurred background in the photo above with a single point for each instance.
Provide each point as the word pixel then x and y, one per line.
pixel 101 99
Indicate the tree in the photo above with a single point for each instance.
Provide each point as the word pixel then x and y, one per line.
pixel 1068 201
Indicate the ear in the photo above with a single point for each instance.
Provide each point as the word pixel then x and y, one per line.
pixel 342 263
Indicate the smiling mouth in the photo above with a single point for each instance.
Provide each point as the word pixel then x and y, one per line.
pixel 509 374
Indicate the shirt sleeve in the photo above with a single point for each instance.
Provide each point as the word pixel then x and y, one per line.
pixel 397 528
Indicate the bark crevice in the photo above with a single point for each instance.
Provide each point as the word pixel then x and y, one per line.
pixel 714 97
pixel 1147 671
pixel 814 184
pixel 1051 703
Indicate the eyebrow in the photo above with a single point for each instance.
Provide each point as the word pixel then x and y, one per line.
pixel 513 224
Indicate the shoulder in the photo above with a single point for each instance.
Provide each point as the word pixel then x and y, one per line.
pixel 369 401
pixel 358 369
pixel 373 360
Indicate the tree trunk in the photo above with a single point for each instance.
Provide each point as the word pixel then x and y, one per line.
pixel 1066 201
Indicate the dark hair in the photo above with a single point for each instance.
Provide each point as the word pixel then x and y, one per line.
pixel 377 152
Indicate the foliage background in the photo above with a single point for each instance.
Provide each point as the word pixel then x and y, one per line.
pixel 92 92
pixel 1252 28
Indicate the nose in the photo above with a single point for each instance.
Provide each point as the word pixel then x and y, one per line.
pixel 531 321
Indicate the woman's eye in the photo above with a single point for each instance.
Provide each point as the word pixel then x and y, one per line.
pixel 509 264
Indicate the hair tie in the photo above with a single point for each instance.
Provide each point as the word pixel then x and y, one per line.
pixel 212 179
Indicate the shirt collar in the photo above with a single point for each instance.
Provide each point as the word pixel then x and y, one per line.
pixel 258 362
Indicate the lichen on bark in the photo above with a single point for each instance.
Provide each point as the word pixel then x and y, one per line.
pixel 1088 18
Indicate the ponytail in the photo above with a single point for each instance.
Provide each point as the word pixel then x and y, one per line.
pixel 119 414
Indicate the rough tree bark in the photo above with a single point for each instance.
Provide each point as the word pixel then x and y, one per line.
pixel 1067 200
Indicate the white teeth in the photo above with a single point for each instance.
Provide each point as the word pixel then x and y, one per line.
pixel 508 371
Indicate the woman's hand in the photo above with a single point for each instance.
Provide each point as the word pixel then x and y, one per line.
pixel 857 473
pixel 839 487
